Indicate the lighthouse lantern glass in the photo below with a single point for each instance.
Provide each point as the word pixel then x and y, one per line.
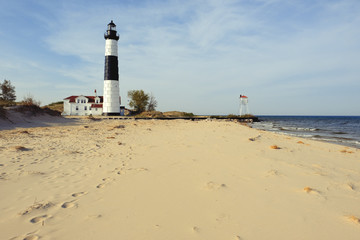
pixel 112 27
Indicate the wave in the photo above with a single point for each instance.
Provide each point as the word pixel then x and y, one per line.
pixel 295 129
pixel 346 142
pixel 338 132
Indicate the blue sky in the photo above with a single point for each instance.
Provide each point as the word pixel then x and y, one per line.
pixel 299 57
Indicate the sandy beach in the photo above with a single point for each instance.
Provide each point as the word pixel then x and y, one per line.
pixel 174 179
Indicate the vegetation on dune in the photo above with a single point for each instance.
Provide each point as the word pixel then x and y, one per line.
pixel 185 114
pixel 247 116
pixel 56 106
pixel 179 114
pixel 27 105
pixel 29 100
pixel 55 103
pixel 30 106
pixel 232 116
pixel 150 114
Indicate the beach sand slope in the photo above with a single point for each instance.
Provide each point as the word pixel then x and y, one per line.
pixel 175 179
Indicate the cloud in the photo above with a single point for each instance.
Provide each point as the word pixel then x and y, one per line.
pixel 200 55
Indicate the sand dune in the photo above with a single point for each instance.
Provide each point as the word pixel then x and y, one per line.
pixel 14 119
pixel 178 179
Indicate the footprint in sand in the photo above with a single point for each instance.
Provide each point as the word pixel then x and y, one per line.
pixel 351 186
pixel 94 216
pixel 313 191
pixel 252 139
pixel 68 204
pixel 142 169
pixel 78 194
pixel 37 206
pixel 273 172
pixel 31 237
pixel 39 219
pixel 196 229
pixel 214 186
pixel 105 180
pixel 309 190
pixel 21 148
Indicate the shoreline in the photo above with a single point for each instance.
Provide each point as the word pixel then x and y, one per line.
pixel 159 179
pixel 341 130
pixel 320 139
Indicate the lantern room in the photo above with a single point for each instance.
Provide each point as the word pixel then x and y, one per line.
pixel 111 32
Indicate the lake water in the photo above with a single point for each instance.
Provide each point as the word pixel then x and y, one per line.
pixel 344 130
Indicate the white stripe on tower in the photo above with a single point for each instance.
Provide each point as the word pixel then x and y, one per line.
pixel 111 103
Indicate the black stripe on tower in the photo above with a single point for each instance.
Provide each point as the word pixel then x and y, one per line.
pixel 111 68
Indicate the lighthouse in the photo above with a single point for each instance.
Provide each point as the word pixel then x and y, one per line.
pixel 111 103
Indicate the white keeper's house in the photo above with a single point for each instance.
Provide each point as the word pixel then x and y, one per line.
pixel 83 105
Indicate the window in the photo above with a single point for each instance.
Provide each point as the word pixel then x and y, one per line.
pixel 85 108
pixel 78 101
pixel 89 108
pixel 77 108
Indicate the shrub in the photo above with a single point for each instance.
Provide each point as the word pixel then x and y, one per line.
pixel 30 105
pixel 30 101
pixel 185 114
pixel 247 116
pixel 232 116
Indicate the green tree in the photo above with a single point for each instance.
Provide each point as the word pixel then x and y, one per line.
pixel 7 93
pixel 138 100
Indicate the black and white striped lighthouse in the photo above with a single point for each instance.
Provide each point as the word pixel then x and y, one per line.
pixel 111 103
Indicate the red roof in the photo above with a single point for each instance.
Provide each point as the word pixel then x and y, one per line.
pixel 96 105
pixel 243 96
pixel 91 98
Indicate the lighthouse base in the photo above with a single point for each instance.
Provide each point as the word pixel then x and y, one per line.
pixel 111 105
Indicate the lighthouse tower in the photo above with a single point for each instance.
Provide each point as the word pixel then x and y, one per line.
pixel 111 103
